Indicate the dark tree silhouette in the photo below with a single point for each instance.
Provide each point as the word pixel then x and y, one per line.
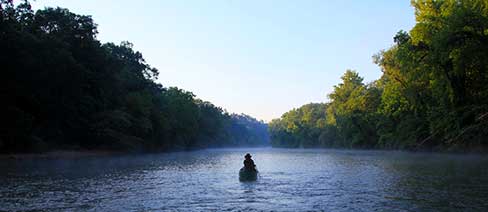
pixel 62 89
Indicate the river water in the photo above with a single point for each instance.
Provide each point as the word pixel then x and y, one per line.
pixel 207 180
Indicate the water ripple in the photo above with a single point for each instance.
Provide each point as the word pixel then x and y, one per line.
pixel 290 180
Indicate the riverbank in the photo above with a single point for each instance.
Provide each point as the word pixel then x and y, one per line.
pixel 73 154
pixel 58 154
pixel 438 149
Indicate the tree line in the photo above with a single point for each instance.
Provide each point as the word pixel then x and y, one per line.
pixel 61 88
pixel 433 92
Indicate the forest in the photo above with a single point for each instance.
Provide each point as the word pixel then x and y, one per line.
pixel 432 95
pixel 61 88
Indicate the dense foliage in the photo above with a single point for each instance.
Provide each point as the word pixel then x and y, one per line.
pixel 433 92
pixel 62 88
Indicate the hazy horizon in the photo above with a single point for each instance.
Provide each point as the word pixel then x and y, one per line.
pixel 257 58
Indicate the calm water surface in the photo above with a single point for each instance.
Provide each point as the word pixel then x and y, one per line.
pixel 290 180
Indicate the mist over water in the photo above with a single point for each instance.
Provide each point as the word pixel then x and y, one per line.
pixel 290 180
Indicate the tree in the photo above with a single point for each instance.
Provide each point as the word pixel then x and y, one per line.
pixel 64 89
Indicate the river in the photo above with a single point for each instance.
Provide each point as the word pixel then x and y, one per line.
pixel 290 180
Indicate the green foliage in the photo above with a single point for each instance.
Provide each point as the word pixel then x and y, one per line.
pixel 433 92
pixel 243 130
pixel 302 127
pixel 62 88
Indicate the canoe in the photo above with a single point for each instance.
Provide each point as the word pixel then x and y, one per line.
pixel 248 175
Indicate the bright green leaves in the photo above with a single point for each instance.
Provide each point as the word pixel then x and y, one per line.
pixel 299 127
pixel 432 93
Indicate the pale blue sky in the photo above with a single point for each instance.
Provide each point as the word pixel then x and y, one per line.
pixel 261 58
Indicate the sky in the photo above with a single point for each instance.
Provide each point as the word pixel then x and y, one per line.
pixel 261 58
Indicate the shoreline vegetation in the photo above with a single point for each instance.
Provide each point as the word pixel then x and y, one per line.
pixel 77 154
pixel 62 88
pixel 432 95
pixel 58 154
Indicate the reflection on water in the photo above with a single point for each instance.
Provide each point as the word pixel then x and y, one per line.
pixel 290 180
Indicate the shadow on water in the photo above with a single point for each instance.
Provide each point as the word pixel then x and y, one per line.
pixel 248 187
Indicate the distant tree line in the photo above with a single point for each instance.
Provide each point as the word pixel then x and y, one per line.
pixel 433 93
pixel 63 89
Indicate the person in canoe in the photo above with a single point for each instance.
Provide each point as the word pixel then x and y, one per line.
pixel 249 171
pixel 249 163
